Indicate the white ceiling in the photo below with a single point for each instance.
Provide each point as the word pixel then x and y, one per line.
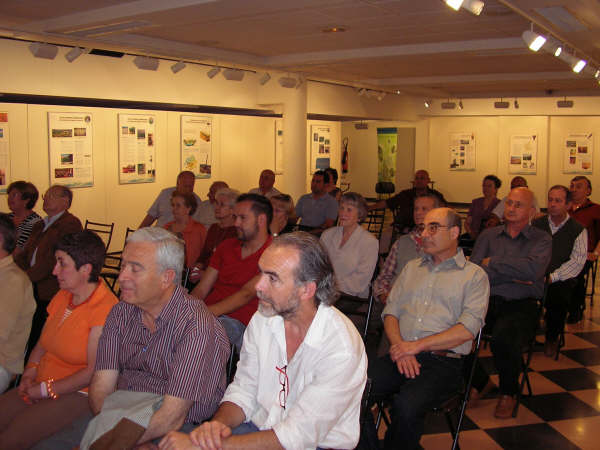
pixel 420 47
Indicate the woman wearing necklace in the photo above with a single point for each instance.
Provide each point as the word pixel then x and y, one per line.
pixel 353 251
pixel 53 389
pixel 22 197
pixel 283 207
pixel 193 233
pixel 224 229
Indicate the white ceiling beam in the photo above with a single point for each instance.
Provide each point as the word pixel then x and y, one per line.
pixel 410 81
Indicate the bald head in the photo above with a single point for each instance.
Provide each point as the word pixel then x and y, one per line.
pixel 266 180
pixel 519 209
pixel 421 179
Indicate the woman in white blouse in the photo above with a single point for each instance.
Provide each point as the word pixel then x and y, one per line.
pixel 353 251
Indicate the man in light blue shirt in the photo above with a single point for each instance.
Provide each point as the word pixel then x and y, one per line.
pixel 317 210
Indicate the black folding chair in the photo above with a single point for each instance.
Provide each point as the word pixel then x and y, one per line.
pixel 234 357
pixel 375 219
pixel 112 265
pixel 591 273
pixel 104 230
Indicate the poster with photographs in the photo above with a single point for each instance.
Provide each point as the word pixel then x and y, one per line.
pixel 4 153
pixel 320 147
pixel 70 149
pixel 278 147
pixel 137 154
pixel 196 145
pixel 523 154
pixel 578 153
pixel 462 151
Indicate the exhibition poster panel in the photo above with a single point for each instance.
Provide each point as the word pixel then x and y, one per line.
pixel 578 153
pixel 196 145
pixel 462 151
pixel 320 147
pixel 137 155
pixel 387 149
pixel 70 149
pixel 523 154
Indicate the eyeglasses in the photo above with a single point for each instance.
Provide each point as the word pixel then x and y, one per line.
pixel 431 228
pixel 285 385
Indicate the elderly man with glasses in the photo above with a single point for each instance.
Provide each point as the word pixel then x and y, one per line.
pixel 434 310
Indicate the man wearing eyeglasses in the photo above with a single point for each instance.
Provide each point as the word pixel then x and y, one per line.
pixel 515 257
pixel 303 365
pixel 434 310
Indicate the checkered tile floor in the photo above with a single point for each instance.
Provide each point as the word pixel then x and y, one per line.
pixel 563 412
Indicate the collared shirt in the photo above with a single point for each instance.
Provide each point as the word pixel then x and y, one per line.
pixel 185 357
pixel 571 267
pixel 431 298
pixel 48 221
pixel 522 258
pixel 315 211
pixel 271 193
pixel 326 378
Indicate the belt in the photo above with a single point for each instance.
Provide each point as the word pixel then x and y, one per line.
pixel 447 354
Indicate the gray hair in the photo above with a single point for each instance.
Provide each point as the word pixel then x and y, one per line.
pixel 452 218
pixel 228 195
pixel 358 201
pixel 169 248
pixel 313 265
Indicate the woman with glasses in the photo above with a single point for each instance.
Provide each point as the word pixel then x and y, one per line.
pixel 353 251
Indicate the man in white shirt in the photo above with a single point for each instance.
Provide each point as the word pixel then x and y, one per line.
pixel 265 184
pixel 302 367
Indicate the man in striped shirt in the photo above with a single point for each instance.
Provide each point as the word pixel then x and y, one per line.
pixel 160 340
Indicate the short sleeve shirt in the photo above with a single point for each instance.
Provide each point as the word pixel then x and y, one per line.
pixel 314 212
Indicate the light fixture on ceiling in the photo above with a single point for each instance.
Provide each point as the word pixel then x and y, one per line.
pixel 473 6
pixel 334 30
pixel 398 92
pixel 501 104
pixel 428 103
pixel 361 125
pixel 579 65
pixel 264 79
pixel 287 82
pixel 362 92
pixel 564 103
pixel 178 67
pixel 233 74
pixel 597 74
pixel 74 53
pixel 448 105
pixel 213 72
pixel 558 51
pixel 42 50
pixel 460 105
pixel 533 40
pixel 381 95
pixel 454 4
pixel 516 103
pixel 146 63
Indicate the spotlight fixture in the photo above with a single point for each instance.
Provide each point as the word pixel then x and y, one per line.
pixel 213 72
pixel 558 51
pixel 381 95
pixel 460 105
pixel 564 103
pixel 287 82
pixel 454 4
pixel 427 103
pixel 398 92
pixel 41 50
pixel 501 104
pixel 74 53
pixel 533 40
pixel 597 74
pixel 264 79
pixel 516 103
pixel 233 74
pixel 146 62
pixel 448 105
pixel 361 125
pixel 178 66
pixel 473 6
pixel 579 65
pixel 362 92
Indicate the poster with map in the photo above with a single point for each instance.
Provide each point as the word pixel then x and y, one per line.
pixel 196 145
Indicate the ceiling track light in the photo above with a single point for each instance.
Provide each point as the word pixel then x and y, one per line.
pixel 460 105
pixel 287 82
pixel 233 74
pixel 501 104
pixel 178 67
pixel 74 53
pixel 454 4
pixel 300 82
pixel 448 105
pixel 533 40
pixel 146 63
pixel 558 51
pixel 579 65
pixel 264 79
pixel 516 103
pixel 213 72
pixel 42 50
pixel 428 103
pixel 381 95
pixel 473 6
pixel 564 103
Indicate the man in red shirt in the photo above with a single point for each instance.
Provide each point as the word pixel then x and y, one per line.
pixel 228 285
pixel 587 213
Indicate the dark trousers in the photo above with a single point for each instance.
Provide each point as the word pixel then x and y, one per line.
pixel 439 379
pixel 37 323
pixel 577 303
pixel 511 324
pixel 558 300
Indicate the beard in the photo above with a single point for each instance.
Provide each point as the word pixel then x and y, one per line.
pixel 268 308
pixel 247 235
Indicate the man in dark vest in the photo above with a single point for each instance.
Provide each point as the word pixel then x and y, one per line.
pixel 569 252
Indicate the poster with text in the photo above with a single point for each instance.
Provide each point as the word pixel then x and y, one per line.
pixel 320 147
pixel 196 145
pixel 578 153
pixel 462 151
pixel 278 147
pixel 4 153
pixel 137 154
pixel 387 149
pixel 70 149
pixel 523 154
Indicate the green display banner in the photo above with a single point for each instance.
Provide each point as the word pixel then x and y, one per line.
pixel 387 146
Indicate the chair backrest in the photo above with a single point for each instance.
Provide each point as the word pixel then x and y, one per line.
pixel 104 230
pixel 375 219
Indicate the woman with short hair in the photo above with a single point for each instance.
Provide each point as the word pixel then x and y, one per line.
pixel 22 197
pixel 283 208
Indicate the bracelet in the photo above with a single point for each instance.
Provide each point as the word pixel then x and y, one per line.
pixel 50 387
pixel 32 365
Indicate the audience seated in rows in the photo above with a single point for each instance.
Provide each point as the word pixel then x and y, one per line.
pixel 498 212
pixel 352 250
pixel 434 311
pixel 228 284
pixel 317 211
pixel 403 202
pixel 303 365
pixel 37 258
pixel 481 208
pixel 283 209
pixel 265 184
pixel 406 247
pixel 193 233
pixel 569 253
pixel 515 257
pixel 16 303
pixel 22 197
pixel 587 213
pixel 62 362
